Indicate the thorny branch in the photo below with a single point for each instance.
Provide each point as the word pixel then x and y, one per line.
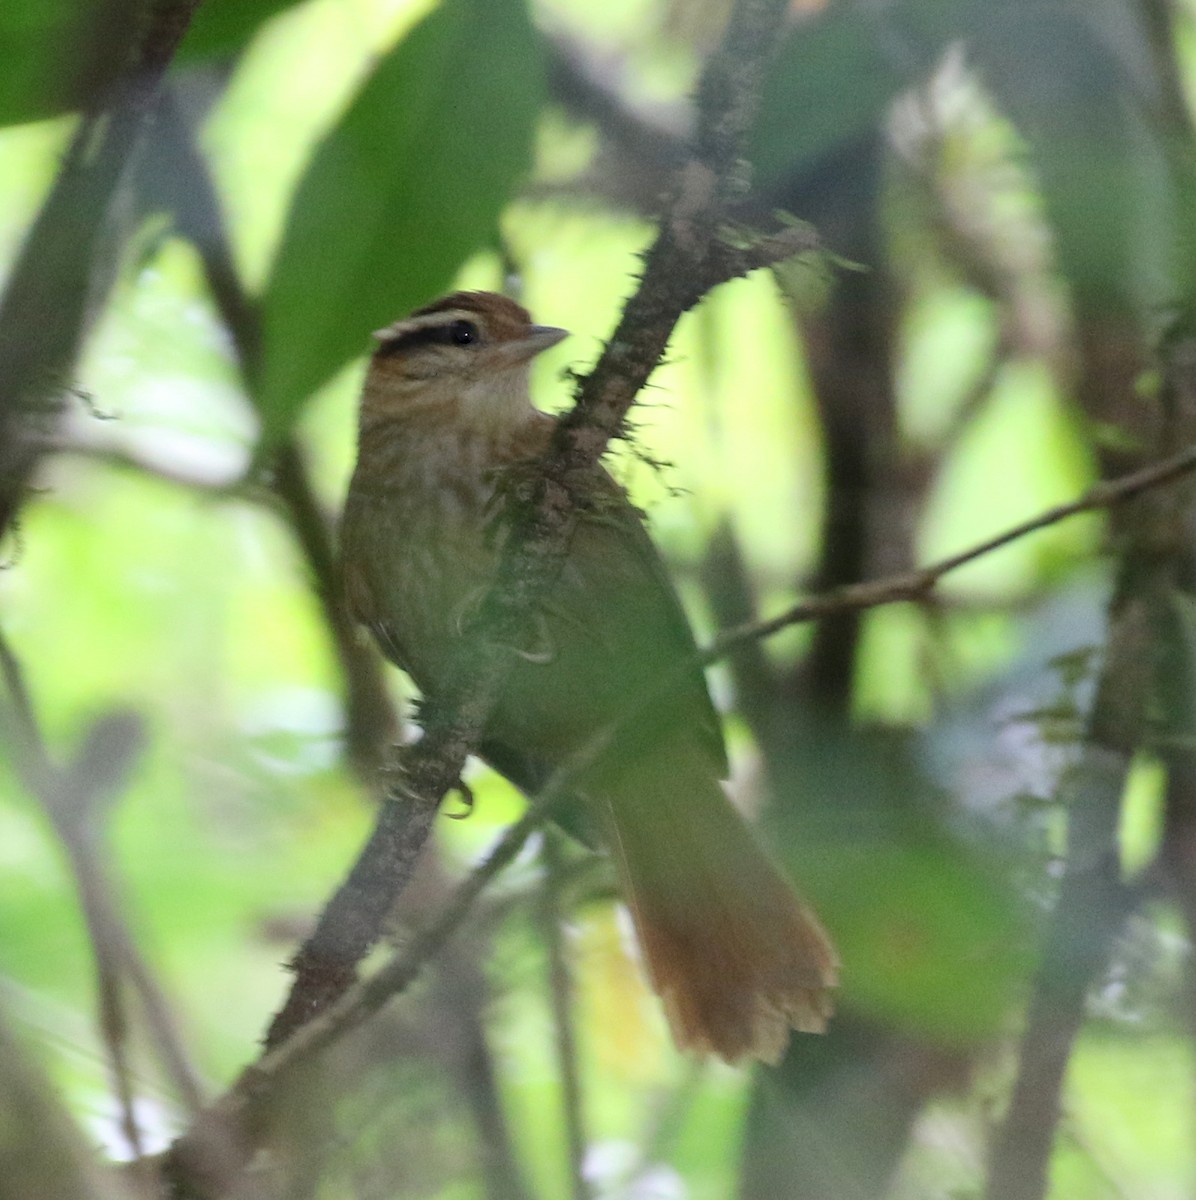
pixel 689 240
pixel 688 258
pixel 178 178
pixel 370 718
pixel 232 1124
pixel 242 1107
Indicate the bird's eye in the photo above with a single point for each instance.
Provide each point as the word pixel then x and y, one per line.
pixel 463 333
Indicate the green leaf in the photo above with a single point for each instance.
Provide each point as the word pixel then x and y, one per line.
pixel 401 192
pixel 225 26
pixel 56 55
pixel 1073 89
pixel 835 76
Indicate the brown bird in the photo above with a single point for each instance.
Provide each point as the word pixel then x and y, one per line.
pixel 736 957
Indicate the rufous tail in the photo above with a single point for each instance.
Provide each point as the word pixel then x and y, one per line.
pixel 736 957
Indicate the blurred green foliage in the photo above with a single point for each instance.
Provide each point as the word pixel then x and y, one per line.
pixel 60 54
pixel 373 153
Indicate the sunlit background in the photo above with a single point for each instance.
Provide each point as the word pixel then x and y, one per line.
pixel 997 186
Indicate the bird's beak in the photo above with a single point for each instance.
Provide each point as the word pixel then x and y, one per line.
pixel 538 339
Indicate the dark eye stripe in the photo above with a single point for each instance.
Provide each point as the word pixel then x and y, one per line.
pixel 452 333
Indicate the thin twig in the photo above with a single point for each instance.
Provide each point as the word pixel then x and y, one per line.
pixel 974 400
pixel 43 1152
pixel 638 150
pixel 346 930
pixel 70 809
pixel 662 1127
pixel 371 721
pixel 918 584
pixel 462 996
pixel 32 745
pixel 221 482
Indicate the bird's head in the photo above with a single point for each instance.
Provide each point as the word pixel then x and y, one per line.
pixel 471 350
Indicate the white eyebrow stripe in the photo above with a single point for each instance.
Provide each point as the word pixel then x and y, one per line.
pixel 430 320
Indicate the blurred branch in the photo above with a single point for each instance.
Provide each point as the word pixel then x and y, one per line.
pixel 590 91
pixel 638 150
pixel 1178 628
pixel 68 799
pixel 727 584
pixel 974 400
pixel 1137 674
pixel 77 799
pixel 1178 754
pixel 867 518
pixel 31 747
pixel 370 719
pixel 204 1161
pixel 662 1127
pixel 835 1118
pixel 1173 115
pixel 43 1153
pixel 179 179
pixel 561 988
pixel 45 308
pixel 227 482
pixel 462 993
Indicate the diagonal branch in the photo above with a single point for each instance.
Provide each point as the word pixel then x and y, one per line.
pixel 44 312
pixel 204 1160
pixel 920 583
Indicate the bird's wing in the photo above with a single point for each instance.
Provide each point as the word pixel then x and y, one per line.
pixel 359 597
pixel 615 586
